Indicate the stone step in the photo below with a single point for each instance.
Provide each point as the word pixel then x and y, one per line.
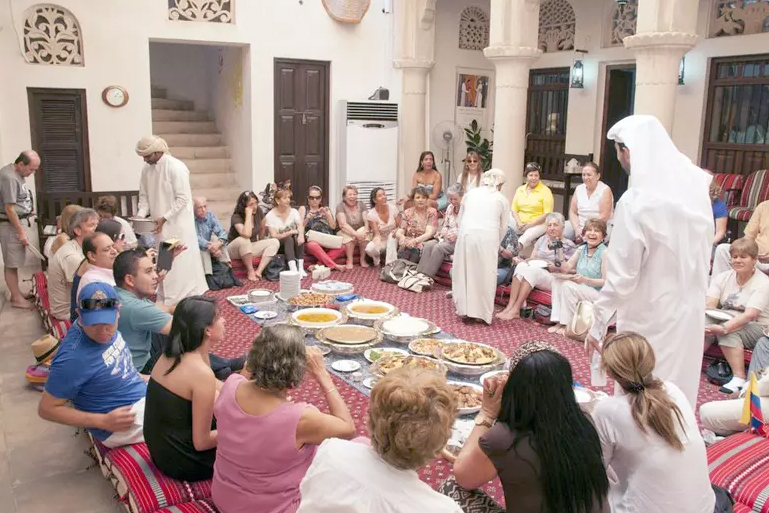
pixel 200 152
pixel 184 127
pixel 158 92
pixel 208 165
pixel 179 115
pixel 194 140
pixel 165 103
pixel 227 195
pixel 222 209
pixel 211 180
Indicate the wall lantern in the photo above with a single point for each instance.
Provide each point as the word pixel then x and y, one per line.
pixel 682 70
pixel 578 72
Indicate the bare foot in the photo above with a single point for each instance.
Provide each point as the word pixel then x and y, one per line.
pixel 253 277
pixel 348 266
pixel 553 329
pixel 363 263
pixel 561 331
pixel 339 268
pixel 22 304
pixel 508 315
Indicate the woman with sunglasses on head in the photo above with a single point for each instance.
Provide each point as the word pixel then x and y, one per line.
pixel 471 174
pixel 247 239
pixel 319 220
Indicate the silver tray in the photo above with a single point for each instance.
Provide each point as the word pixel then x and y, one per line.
pixel 366 321
pixel 348 348
pixel 471 369
pixel 405 339
pixel 442 368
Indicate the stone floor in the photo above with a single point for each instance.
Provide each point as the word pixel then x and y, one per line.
pixel 43 466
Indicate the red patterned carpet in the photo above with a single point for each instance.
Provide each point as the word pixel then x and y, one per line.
pixel 433 305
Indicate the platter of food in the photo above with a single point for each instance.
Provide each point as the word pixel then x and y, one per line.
pixel 403 330
pixel 309 299
pixel 469 353
pixel 468 396
pixel 373 355
pixel 348 339
pixel 316 318
pixel 388 364
pixel 426 346
pixel 331 287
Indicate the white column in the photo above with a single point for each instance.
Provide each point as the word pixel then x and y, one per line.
pixel 412 119
pixel 666 31
pixel 513 47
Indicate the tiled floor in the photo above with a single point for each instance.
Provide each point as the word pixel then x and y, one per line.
pixel 43 467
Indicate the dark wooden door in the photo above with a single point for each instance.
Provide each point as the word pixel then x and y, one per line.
pixel 301 124
pixel 547 107
pixel 59 127
pixel 618 104
pixel 737 118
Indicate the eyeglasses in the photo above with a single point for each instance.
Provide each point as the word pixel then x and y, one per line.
pixel 98 304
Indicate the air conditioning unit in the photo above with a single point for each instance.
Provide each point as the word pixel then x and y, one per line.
pixel 368 148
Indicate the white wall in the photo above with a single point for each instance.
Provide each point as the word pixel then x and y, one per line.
pixel 187 72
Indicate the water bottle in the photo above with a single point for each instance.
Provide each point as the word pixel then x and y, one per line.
pixel 597 372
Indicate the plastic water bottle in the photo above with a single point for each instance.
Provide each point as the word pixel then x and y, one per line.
pixel 597 373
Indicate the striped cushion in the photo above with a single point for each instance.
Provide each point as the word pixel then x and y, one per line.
pixel 740 463
pixel 731 185
pixel 59 328
pixel 756 189
pixel 741 508
pixel 144 487
pixel 741 213
pixel 202 506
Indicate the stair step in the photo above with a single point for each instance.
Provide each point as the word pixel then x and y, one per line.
pixel 211 180
pixel 226 195
pixel 200 152
pixel 158 92
pixel 184 127
pixel 165 103
pixel 208 165
pixel 179 115
pixel 194 140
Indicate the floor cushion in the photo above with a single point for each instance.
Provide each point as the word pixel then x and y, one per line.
pixel 144 488
pixel 201 506
pixel 740 463
pixel 100 452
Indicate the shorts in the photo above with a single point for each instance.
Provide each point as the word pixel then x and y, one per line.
pixel 14 252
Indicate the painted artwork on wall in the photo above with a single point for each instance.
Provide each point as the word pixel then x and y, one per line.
pixel 473 97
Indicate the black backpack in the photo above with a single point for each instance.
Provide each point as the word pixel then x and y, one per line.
pixel 719 372
pixel 276 266
pixel 221 276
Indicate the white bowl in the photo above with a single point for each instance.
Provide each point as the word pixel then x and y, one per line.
pixel 352 311
pixel 143 225
pixel 304 324
pixel 405 327
pixel 475 409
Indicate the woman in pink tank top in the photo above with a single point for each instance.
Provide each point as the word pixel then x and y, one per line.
pixel 266 442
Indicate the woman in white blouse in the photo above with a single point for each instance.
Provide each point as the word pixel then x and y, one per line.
pixel 382 221
pixel 649 436
pixel 285 224
pixel 592 199
pixel 471 174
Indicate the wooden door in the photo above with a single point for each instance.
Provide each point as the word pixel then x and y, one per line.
pixel 301 124
pixel 59 127
pixel 547 107
pixel 737 117
pixel 618 104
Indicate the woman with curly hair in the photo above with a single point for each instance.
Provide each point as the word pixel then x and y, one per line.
pixel 247 239
pixel 266 442
pixel 410 419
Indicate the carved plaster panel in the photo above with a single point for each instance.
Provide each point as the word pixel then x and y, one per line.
pixel 738 17
pixel 218 11
pixel 622 22
pixel 473 29
pixel 556 26
pixel 52 36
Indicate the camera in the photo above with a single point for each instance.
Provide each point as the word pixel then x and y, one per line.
pixel 555 244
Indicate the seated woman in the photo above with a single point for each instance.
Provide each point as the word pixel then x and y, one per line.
pixel 532 202
pixel 64 219
pixel 382 221
pixel 246 238
pixel 720 214
pixel 106 206
pixel 649 436
pixel 410 420
pixel 533 435
pixel 472 172
pixel 351 220
pixel 266 440
pixel 592 199
pixel 743 292
pixel 723 417
pixel 285 225
pixel 508 257
pixel 587 267
pixel 178 418
pixel 428 177
pixel 553 249
pixel 436 250
pixel 418 225
pixel 318 219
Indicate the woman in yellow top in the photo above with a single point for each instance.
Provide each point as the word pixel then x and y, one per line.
pixel 531 204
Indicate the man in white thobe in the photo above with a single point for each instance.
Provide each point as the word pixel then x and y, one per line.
pixel 165 194
pixel 483 219
pixel 657 262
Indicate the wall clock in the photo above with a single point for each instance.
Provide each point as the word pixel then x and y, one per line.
pixel 115 96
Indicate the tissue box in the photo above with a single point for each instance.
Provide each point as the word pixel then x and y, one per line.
pixel 321 272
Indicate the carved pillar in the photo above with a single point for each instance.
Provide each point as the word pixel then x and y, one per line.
pixel 415 44
pixel 514 41
pixel 666 31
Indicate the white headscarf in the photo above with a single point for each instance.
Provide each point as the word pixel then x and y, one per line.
pixel 658 169
pixel 149 145
pixel 493 178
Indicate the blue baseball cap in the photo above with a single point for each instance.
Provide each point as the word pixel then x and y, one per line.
pixel 98 303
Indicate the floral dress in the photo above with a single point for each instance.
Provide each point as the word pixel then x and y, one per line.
pixel 415 225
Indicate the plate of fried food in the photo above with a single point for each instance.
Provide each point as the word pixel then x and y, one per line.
pixel 373 354
pixel 309 299
pixel 426 347
pixel 468 396
pixel 469 353
pixel 388 364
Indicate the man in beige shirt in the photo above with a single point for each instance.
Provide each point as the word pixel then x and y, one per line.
pixel 758 230
pixel 67 260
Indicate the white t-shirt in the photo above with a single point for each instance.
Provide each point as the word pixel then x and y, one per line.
pixel 273 220
pixel 349 477
pixel 732 297
pixel 652 475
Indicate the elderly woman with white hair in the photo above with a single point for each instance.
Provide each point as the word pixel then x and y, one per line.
pixel 483 219
pixel 550 253
pixel 436 250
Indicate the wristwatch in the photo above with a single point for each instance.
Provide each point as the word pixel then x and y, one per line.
pixel 481 420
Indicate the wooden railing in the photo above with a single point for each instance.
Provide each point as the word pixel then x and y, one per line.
pixel 553 165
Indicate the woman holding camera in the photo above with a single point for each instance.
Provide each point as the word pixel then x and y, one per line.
pixel 554 250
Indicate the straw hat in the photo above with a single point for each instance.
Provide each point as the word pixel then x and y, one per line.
pixel 45 348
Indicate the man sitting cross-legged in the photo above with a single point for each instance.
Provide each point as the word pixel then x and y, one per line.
pixel 93 370
pixel 144 323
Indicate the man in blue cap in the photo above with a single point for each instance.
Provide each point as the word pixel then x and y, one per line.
pixel 93 370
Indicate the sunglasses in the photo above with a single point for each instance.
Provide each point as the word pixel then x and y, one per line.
pixel 314 197
pixel 98 304
pixel 471 161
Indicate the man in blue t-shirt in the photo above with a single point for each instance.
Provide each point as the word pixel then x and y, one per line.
pixel 93 370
